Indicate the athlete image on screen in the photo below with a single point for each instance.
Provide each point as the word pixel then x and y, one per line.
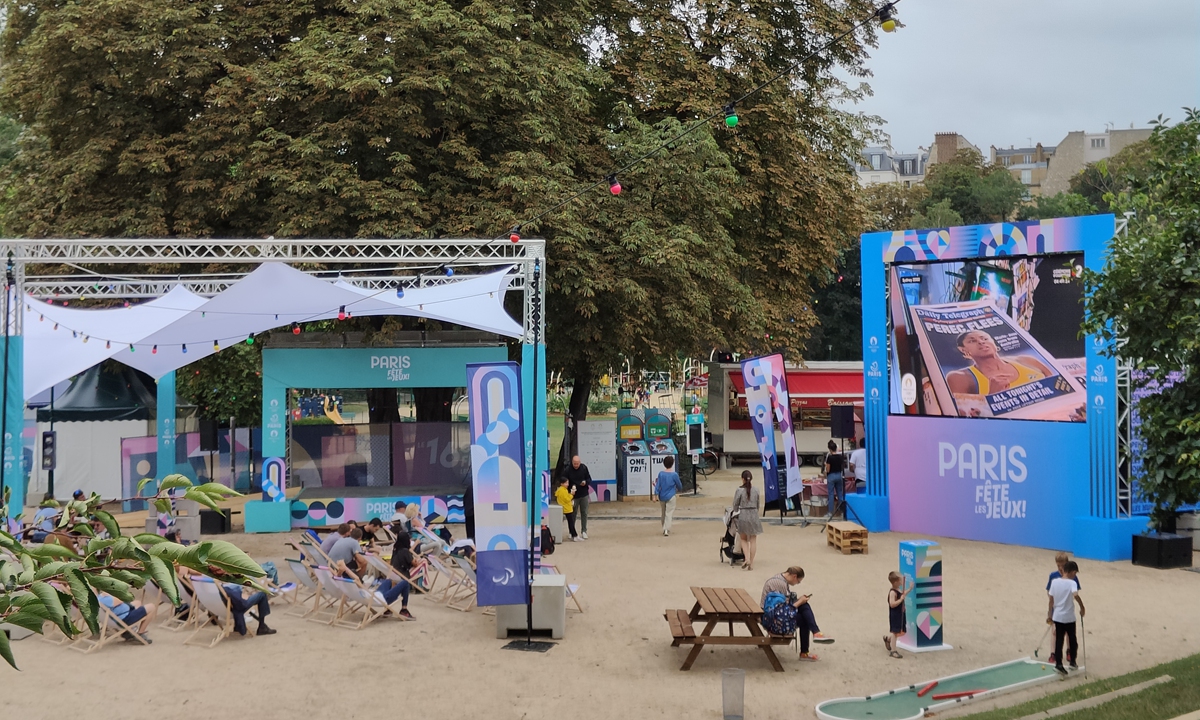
pixel 989 372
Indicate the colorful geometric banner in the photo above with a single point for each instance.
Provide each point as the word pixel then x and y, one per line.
pixel 498 475
pixel 767 398
pixel 921 568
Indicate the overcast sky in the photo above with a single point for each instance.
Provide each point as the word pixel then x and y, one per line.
pixel 1000 72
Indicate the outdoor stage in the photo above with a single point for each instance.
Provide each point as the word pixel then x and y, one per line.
pixel 321 507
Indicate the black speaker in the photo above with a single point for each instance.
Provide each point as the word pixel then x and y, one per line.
pixel 841 421
pixel 208 436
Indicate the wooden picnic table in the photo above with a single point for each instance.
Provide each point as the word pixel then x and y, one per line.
pixel 733 606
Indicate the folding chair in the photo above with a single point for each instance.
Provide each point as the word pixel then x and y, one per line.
pixel 360 599
pixel 467 587
pixel 429 537
pixel 572 590
pixel 111 628
pixel 384 570
pixel 307 583
pixel 176 622
pixel 212 599
pixel 454 579
pixel 326 611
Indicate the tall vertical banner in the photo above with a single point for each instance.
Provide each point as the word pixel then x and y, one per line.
pixel 498 475
pixel 766 398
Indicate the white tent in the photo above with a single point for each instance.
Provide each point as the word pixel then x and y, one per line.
pixel 182 327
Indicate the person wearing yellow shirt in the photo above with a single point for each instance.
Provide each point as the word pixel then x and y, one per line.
pixel 989 373
pixel 564 498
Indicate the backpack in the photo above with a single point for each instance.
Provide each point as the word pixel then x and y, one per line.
pixel 779 617
pixel 547 542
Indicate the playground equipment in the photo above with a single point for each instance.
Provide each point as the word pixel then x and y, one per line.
pixel 912 702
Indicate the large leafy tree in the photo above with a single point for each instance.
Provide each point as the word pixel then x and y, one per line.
pixel 780 202
pixel 976 191
pixel 1147 299
pixel 1099 183
pixel 384 118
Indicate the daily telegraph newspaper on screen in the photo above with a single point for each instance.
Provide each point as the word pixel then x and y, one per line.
pixel 982 363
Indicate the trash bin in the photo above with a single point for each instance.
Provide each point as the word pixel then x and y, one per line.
pixel 733 692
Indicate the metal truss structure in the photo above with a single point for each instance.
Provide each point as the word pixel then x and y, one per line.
pixel 416 262
pixel 1124 440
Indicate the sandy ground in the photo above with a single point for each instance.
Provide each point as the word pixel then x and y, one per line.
pixel 616 660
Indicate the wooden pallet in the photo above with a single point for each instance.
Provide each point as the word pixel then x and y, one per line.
pixel 847 537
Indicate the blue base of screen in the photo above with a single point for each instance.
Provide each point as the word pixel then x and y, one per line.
pixel 871 512
pixel 1106 539
pixel 267 517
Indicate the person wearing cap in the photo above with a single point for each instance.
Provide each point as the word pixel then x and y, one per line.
pixel 77 495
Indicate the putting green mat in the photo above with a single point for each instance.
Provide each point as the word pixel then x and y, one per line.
pixel 903 704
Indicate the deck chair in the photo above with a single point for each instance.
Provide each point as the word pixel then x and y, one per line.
pixel 212 600
pixel 465 597
pixel 360 599
pixel 111 628
pixel 572 590
pixel 306 583
pixel 384 570
pixel 453 579
pixel 329 603
pixel 175 621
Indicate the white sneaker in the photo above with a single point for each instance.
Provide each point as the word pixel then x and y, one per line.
pixel 583 535
pixel 576 539
pixel 666 533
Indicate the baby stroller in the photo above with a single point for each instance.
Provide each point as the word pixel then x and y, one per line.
pixel 729 541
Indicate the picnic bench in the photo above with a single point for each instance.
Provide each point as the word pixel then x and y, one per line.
pixel 714 606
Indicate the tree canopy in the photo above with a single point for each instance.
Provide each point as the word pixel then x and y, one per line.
pixel 976 191
pixel 1147 300
pixel 431 118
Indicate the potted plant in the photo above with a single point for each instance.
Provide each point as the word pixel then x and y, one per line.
pixel 1145 303
pixel 1170 430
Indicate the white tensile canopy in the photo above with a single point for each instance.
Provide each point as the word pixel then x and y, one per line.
pixel 181 327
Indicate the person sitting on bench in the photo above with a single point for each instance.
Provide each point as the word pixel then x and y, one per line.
pixel 806 622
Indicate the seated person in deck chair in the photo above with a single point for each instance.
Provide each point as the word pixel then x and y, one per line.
pixel 137 616
pixel 402 560
pixel 45 519
pixel 349 551
pixel 239 605
pixel 373 526
pixel 342 531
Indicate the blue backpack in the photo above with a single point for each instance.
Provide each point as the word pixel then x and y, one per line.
pixel 779 617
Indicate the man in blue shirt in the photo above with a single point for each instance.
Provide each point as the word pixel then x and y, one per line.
pixel 666 485
pixel 44 520
pixel 137 616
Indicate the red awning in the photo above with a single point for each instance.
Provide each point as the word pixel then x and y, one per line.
pixel 826 384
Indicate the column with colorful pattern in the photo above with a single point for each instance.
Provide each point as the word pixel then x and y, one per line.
pixel 921 567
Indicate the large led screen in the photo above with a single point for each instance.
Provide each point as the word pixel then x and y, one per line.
pixel 995 337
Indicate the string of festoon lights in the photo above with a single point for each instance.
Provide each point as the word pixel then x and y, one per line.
pixel 885 14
